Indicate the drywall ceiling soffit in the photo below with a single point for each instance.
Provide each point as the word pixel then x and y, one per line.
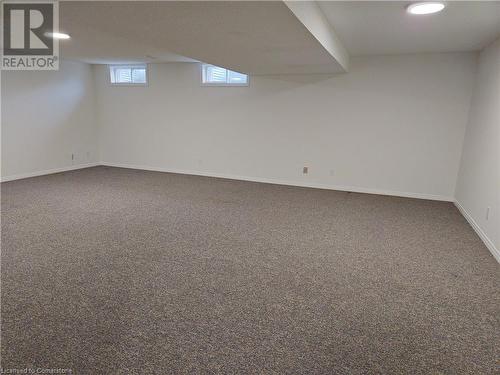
pixel 257 37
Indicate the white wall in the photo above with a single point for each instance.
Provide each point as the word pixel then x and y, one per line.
pixel 46 117
pixel 392 124
pixel 478 185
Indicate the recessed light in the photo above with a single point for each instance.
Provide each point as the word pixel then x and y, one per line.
pixel 425 8
pixel 58 35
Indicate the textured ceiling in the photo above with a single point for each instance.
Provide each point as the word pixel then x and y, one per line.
pixel 266 37
pixel 248 36
pixel 384 27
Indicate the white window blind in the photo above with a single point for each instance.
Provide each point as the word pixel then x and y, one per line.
pixel 128 74
pixel 212 75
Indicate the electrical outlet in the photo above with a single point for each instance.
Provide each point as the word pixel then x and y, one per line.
pixel 88 155
pixel 72 156
pixel 332 172
pixel 305 170
pixel 487 213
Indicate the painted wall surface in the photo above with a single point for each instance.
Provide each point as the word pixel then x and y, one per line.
pixel 478 185
pixel 393 124
pixel 46 117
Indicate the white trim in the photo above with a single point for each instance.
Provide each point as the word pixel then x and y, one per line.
pixel 489 244
pixel 47 171
pixel 353 189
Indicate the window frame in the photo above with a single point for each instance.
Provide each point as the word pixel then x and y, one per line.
pixel 131 84
pixel 221 84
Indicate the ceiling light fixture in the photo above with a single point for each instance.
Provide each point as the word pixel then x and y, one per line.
pixel 58 35
pixel 425 8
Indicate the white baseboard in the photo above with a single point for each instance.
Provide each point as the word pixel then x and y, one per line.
pixel 489 244
pixel 47 171
pixel 352 189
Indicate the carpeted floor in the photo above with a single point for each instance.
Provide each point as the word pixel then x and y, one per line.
pixel 117 271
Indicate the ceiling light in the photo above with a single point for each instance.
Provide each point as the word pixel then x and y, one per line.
pixel 425 8
pixel 58 35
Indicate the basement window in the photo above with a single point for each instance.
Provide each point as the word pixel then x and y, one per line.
pixel 128 75
pixel 212 75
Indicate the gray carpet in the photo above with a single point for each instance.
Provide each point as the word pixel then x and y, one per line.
pixel 117 271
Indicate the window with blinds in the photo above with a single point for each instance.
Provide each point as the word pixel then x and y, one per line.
pixel 212 75
pixel 128 74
